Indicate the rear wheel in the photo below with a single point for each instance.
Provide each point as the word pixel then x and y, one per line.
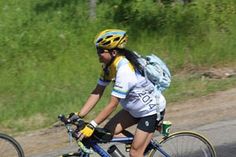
pixel 185 144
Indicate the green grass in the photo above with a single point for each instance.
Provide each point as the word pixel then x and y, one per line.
pixel 190 86
pixel 35 109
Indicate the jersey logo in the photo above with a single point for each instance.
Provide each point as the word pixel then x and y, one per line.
pixel 146 123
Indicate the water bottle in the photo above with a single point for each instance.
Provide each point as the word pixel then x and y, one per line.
pixel 114 151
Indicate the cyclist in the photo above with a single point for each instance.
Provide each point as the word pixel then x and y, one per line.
pixel 140 101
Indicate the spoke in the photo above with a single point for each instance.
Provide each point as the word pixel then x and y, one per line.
pixel 185 144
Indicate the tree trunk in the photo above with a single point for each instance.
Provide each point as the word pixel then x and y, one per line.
pixel 92 9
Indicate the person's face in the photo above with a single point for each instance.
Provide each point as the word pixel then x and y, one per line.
pixel 104 56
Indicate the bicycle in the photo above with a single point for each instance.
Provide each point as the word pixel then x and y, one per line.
pixel 179 144
pixel 9 147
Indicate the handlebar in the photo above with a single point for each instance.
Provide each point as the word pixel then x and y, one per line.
pixel 79 123
pixel 62 118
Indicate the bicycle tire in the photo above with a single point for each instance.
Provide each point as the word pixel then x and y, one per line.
pixel 10 147
pixel 185 144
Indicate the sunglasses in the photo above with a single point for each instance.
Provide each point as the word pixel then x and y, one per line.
pixel 100 51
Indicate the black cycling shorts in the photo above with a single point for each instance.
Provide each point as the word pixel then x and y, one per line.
pixel 149 123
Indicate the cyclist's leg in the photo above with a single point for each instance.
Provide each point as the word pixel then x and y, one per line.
pixel 140 142
pixel 143 135
pixel 120 122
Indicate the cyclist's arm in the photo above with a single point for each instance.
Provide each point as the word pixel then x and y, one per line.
pixel 92 100
pixel 109 108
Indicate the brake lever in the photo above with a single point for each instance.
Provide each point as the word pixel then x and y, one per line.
pixel 72 133
pixel 63 119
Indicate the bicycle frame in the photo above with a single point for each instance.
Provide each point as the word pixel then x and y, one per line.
pixel 103 153
pixel 103 136
pixel 87 144
pixel 124 140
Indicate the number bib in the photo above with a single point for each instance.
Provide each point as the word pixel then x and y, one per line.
pixel 147 98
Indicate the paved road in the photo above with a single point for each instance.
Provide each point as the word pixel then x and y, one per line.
pixel 221 134
pixel 223 137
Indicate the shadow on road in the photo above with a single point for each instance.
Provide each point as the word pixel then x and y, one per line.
pixel 228 150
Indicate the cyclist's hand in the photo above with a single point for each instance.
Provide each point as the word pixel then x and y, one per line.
pixel 87 131
pixel 73 117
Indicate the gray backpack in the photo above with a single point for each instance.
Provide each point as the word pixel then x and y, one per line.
pixel 154 69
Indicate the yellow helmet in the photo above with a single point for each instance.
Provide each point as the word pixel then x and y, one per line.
pixel 111 38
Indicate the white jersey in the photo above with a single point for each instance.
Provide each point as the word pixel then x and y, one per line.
pixel 137 94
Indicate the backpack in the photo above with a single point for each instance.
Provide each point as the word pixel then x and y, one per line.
pixel 154 69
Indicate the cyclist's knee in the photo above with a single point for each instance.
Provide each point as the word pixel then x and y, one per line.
pixel 135 153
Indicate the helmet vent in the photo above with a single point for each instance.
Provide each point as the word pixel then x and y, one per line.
pixel 106 43
pixel 99 40
pixel 108 36
pixel 116 39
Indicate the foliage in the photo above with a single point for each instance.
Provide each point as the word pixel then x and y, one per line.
pixel 48 64
pixel 183 28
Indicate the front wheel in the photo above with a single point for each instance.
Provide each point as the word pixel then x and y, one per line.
pixel 185 144
pixel 9 147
